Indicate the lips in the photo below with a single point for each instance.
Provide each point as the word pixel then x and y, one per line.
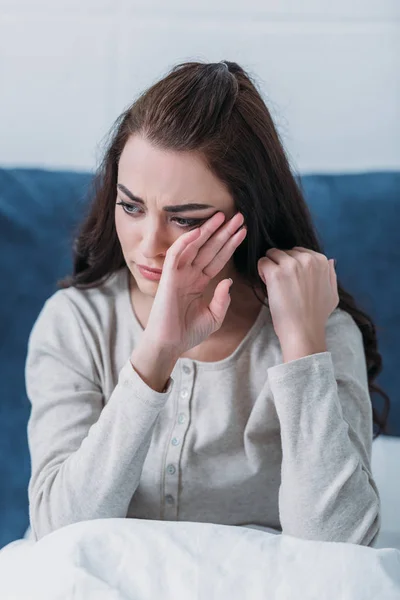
pixel 159 271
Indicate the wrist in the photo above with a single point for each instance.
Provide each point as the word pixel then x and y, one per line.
pixel 164 353
pixel 153 364
pixel 299 345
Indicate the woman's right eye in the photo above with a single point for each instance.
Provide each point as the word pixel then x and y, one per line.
pixel 127 206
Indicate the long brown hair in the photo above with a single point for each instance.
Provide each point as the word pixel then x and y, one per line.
pixel 215 109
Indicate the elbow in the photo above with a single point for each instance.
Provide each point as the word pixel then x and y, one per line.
pixel 353 525
pixel 370 538
pixel 47 511
pixel 362 532
pixel 364 524
pixel 40 521
pixel 53 505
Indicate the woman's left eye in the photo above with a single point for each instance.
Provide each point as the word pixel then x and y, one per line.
pixel 188 222
pixel 132 209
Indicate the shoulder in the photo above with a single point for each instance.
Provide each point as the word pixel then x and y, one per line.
pixel 98 297
pixel 72 325
pixel 72 312
pixel 85 304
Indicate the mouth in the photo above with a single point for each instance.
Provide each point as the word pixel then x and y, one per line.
pixel 159 271
pixel 152 275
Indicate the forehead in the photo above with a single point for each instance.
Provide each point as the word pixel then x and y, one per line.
pixel 149 171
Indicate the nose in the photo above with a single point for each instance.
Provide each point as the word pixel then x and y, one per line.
pixel 153 240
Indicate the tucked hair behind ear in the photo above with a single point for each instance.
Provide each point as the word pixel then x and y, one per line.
pixel 215 110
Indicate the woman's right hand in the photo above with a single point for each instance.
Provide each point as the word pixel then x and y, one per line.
pixel 180 317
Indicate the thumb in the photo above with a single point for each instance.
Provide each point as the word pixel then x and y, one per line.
pixel 260 269
pixel 332 273
pixel 221 300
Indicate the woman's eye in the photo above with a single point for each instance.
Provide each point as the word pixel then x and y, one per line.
pixel 132 209
pixel 188 222
pixel 127 206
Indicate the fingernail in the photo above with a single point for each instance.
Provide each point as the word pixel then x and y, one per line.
pixel 229 289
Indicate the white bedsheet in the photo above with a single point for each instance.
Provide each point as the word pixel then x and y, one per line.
pixel 121 559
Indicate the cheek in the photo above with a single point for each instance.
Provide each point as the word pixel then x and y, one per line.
pixel 126 232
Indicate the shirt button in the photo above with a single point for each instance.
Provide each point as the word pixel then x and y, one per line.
pixel 184 393
pixel 174 441
pixel 186 369
pixel 171 469
pixel 169 499
pixel 181 418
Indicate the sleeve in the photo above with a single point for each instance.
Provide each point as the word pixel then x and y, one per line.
pixel 327 490
pixel 86 456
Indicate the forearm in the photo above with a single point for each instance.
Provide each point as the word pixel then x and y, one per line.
pixel 327 490
pixel 90 473
pixel 87 450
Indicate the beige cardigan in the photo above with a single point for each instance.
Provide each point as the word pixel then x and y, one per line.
pixel 244 440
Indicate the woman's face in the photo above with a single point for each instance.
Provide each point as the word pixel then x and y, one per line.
pixel 151 182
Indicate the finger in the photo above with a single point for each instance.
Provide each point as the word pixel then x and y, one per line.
pixel 220 302
pixel 213 256
pixel 278 256
pixel 332 273
pixel 297 255
pixel 301 249
pixel 265 265
pixel 219 261
pixel 206 231
pixel 300 254
pixel 174 252
pixel 307 251
pixel 293 253
pixel 204 252
pixel 261 265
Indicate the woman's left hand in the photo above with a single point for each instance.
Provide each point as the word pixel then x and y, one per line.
pixel 302 291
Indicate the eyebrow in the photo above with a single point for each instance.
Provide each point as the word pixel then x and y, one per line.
pixel 176 208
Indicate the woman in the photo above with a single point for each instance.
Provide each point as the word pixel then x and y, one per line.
pixel 167 394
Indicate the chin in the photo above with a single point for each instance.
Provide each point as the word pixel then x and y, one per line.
pixel 146 286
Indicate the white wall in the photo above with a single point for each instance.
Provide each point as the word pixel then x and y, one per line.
pixel 330 72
